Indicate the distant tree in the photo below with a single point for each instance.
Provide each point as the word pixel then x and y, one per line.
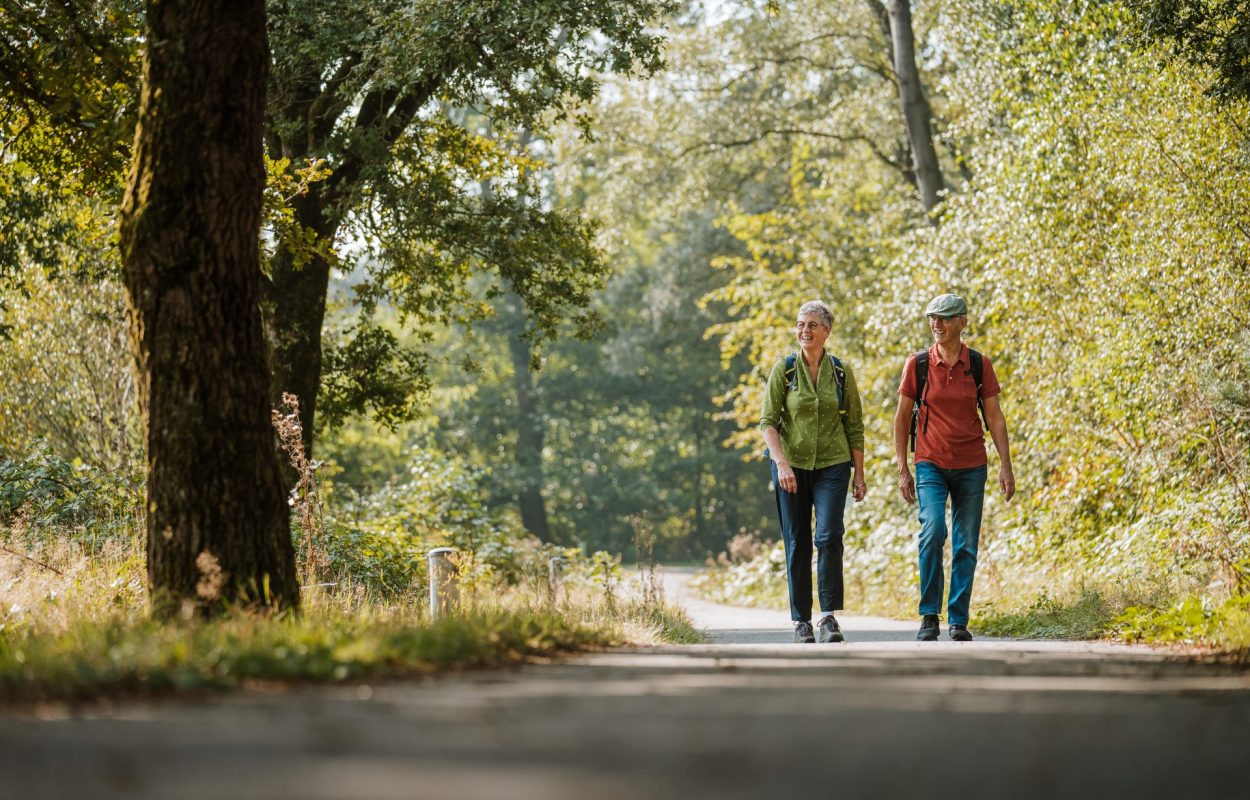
pixel 917 115
pixel 217 520
pixel 625 425
pixel 530 418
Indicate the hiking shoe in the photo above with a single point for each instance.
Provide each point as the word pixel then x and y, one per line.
pixel 803 632
pixel 828 631
pixel 960 633
pixel 929 629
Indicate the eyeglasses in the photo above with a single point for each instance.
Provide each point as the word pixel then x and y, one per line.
pixel 943 318
pixel 809 326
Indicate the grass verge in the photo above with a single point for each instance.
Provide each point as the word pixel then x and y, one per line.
pixel 338 638
pixel 667 623
pixel 94 660
pixel 1222 626
pixel 1091 615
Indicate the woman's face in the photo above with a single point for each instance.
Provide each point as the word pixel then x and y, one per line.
pixel 810 332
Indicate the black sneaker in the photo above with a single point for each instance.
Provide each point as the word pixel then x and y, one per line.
pixel 960 633
pixel 929 629
pixel 828 631
pixel 803 632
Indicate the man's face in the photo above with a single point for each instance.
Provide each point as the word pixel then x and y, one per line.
pixel 946 330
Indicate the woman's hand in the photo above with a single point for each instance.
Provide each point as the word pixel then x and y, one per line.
pixel 859 487
pixel 785 477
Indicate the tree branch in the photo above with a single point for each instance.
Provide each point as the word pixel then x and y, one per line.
pixel 750 140
pixel 325 110
pixel 388 113
pixel 31 559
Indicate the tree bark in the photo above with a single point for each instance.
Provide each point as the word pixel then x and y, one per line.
pixel 917 115
pixel 217 519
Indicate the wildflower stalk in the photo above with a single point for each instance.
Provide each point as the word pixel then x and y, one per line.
pixel 305 498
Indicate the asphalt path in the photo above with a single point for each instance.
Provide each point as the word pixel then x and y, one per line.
pixel 747 715
pixel 733 625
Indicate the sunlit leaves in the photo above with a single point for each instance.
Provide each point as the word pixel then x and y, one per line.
pixel 1104 245
pixel 70 88
pixel 66 377
pixel 367 370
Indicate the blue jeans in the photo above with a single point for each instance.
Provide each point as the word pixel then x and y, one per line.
pixel 824 491
pixel 966 490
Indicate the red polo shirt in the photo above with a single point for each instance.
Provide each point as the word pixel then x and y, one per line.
pixel 955 438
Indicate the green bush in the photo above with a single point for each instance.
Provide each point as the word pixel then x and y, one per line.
pixel 380 539
pixel 1195 620
pixel 69 494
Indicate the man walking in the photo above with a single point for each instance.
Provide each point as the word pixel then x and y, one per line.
pixel 941 391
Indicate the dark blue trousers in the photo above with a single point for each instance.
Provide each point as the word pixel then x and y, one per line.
pixel 824 492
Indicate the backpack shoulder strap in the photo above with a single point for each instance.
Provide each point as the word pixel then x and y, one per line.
pixel 922 375
pixel 792 373
pixel 978 371
pixel 839 379
pixel 922 380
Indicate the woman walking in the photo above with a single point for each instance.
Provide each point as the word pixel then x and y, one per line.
pixel 814 428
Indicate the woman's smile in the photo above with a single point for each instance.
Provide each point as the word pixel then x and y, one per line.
pixel 811 332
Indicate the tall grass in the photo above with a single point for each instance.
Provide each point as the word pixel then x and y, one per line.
pixel 74 623
pixel 74 609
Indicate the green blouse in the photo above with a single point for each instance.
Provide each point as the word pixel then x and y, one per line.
pixel 813 433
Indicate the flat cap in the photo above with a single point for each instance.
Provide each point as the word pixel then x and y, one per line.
pixel 946 305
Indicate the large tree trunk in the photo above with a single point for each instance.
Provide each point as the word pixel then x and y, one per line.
pixel 217 518
pixel 529 432
pixel 917 115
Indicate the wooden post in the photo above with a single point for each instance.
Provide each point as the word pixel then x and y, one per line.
pixel 555 576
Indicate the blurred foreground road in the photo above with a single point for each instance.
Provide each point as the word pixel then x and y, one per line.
pixel 748 715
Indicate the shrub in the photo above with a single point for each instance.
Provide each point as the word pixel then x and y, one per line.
pixel 69 494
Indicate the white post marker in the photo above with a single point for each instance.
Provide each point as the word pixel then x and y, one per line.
pixel 444 593
pixel 555 576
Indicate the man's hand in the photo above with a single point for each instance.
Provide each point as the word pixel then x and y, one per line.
pixel 906 485
pixel 1007 481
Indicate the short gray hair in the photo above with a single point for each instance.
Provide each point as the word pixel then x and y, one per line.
pixel 818 307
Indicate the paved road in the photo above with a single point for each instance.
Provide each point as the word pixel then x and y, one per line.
pixel 747 715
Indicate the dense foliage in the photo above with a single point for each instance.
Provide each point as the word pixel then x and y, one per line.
pixel 1101 237
pixel 633 436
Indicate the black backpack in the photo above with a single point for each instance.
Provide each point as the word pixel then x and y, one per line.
pixel 922 384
